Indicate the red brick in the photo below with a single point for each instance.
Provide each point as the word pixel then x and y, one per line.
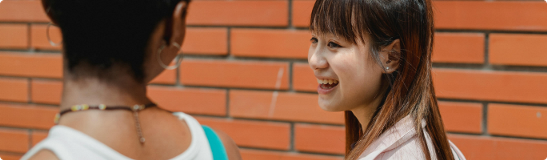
pixel 490 15
pixel 320 138
pixel 458 48
pixel 488 148
pixel 38 136
pixel 461 117
pixel 22 11
pixel 301 12
pixel 14 89
pixel 269 135
pixel 270 43
pixel 13 36
pixel 206 41
pixel 491 85
pixel 518 49
pixel 46 91
pixel 238 13
pixel 166 77
pixel 303 78
pixel 272 155
pixel 195 101
pixel 11 156
pixel 38 39
pixel 517 120
pixel 28 116
pixel 237 74
pixel 285 106
pixel 12 140
pixel 31 65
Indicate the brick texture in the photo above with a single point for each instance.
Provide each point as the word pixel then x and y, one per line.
pixel 28 116
pixel 11 156
pixel 245 73
pixel 242 74
pixel 518 49
pixel 22 11
pixel 488 148
pixel 38 136
pixel 12 140
pixel 490 15
pixel 238 13
pixel 14 89
pixel 320 138
pixel 271 155
pixel 14 36
pixel 280 106
pixel 197 101
pixel 46 91
pixel 462 117
pixel 39 39
pixel 491 85
pixel 206 41
pixel 458 48
pixel 31 65
pixel 270 43
pixel 303 78
pixel 268 135
pixel 301 10
pixel 517 120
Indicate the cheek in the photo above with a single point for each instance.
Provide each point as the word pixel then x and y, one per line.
pixel 359 83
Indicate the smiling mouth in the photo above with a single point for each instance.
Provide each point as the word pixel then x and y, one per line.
pixel 327 83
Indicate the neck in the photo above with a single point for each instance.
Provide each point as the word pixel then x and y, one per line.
pixel 124 91
pixel 365 112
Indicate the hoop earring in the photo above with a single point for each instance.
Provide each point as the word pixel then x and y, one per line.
pixel 178 58
pixel 47 35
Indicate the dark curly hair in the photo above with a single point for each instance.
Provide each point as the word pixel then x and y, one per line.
pixel 100 34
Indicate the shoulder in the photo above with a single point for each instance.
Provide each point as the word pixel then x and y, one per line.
pixel 44 154
pixel 231 148
pixel 410 149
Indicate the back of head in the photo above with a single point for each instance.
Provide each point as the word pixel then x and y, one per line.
pixel 101 34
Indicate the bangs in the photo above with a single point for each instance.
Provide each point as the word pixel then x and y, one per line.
pixel 335 17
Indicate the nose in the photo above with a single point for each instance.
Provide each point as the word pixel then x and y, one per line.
pixel 317 59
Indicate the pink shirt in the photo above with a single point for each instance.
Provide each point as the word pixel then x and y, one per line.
pixel 402 142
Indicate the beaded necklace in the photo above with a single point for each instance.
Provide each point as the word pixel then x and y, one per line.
pixel 135 109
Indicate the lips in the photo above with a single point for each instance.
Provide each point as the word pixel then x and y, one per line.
pixel 326 85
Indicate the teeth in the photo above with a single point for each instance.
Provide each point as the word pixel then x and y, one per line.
pixel 327 81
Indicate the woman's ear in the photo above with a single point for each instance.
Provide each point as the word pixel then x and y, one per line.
pixel 178 25
pixel 390 56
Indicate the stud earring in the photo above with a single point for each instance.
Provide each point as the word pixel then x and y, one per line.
pixel 387 68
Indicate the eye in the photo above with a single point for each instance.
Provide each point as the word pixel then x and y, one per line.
pixel 314 40
pixel 333 45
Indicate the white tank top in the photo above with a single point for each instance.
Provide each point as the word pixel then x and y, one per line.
pixel 67 144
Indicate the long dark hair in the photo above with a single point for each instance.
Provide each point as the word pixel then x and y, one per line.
pixel 410 90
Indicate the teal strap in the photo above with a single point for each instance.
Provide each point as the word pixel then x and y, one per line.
pixel 217 148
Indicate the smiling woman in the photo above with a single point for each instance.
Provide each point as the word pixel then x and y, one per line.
pixel 372 59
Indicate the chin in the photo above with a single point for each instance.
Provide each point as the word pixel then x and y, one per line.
pixel 328 106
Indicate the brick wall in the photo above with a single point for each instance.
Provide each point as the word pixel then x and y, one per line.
pixel 245 72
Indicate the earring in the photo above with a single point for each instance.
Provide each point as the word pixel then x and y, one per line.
pixel 387 68
pixel 178 58
pixel 47 35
